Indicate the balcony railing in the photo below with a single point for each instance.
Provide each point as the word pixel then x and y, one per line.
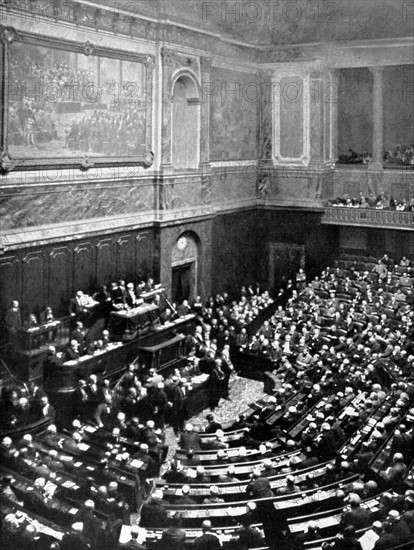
pixel 368 217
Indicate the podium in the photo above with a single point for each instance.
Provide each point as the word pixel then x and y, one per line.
pixel 163 357
pixel 129 324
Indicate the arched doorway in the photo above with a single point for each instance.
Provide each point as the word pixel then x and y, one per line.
pixel 184 265
pixel 185 122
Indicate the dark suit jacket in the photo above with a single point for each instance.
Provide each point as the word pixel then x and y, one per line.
pixel 13 321
pixel 259 488
pixel 173 537
pixel 207 541
pixel 190 440
pixel 132 544
pixel 44 318
pixel 153 514
pixel 74 307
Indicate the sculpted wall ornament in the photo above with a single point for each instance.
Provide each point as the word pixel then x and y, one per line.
pixel 88 48
pixel 6 163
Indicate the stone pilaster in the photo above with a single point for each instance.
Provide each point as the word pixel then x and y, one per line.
pixel 378 114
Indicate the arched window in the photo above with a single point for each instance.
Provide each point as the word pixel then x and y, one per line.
pixel 185 122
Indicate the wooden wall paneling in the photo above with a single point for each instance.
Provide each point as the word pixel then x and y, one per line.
pixel 10 287
pixel 83 267
pixel 105 262
pixel 60 281
pixel 410 244
pixel 125 258
pixel 143 256
pixel 33 283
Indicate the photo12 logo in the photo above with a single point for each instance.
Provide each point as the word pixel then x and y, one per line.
pixel 287 13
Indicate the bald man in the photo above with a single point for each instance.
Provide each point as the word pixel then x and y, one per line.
pixel 208 540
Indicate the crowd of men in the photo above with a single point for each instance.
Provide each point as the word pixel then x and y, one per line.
pixel 379 202
pixel 346 333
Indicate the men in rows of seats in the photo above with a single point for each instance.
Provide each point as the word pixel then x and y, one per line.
pixel 24 404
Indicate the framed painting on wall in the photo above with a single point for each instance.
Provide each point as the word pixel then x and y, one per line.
pixel 73 104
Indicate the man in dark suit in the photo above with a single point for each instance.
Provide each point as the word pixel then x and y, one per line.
pixel 46 409
pixel 79 334
pixel 174 536
pixel 72 352
pixel 208 540
pixel 130 297
pixel 183 309
pixel 206 365
pixel 212 425
pixel 46 316
pixel 153 513
pixel 92 524
pixel 190 439
pixel 13 321
pixel 76 539
pixel 133 543
pixel 50 366
pixel 71 445
pixel 177 401
pixel 185 498
pixel 76 307
pixel 259 487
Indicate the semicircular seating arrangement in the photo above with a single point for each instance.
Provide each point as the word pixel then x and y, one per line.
pixel 323 459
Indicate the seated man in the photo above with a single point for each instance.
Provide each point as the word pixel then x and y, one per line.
pixel 259 487
pixel 72 352
pixel 31 322
pixel 174 536
pixel 247 536
pixel 153 513
pixel 190 439
pixel 208 540
pixel 214 496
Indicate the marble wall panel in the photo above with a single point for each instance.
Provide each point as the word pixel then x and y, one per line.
pixel 233 185
pixel 233 115
pixel 27 206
